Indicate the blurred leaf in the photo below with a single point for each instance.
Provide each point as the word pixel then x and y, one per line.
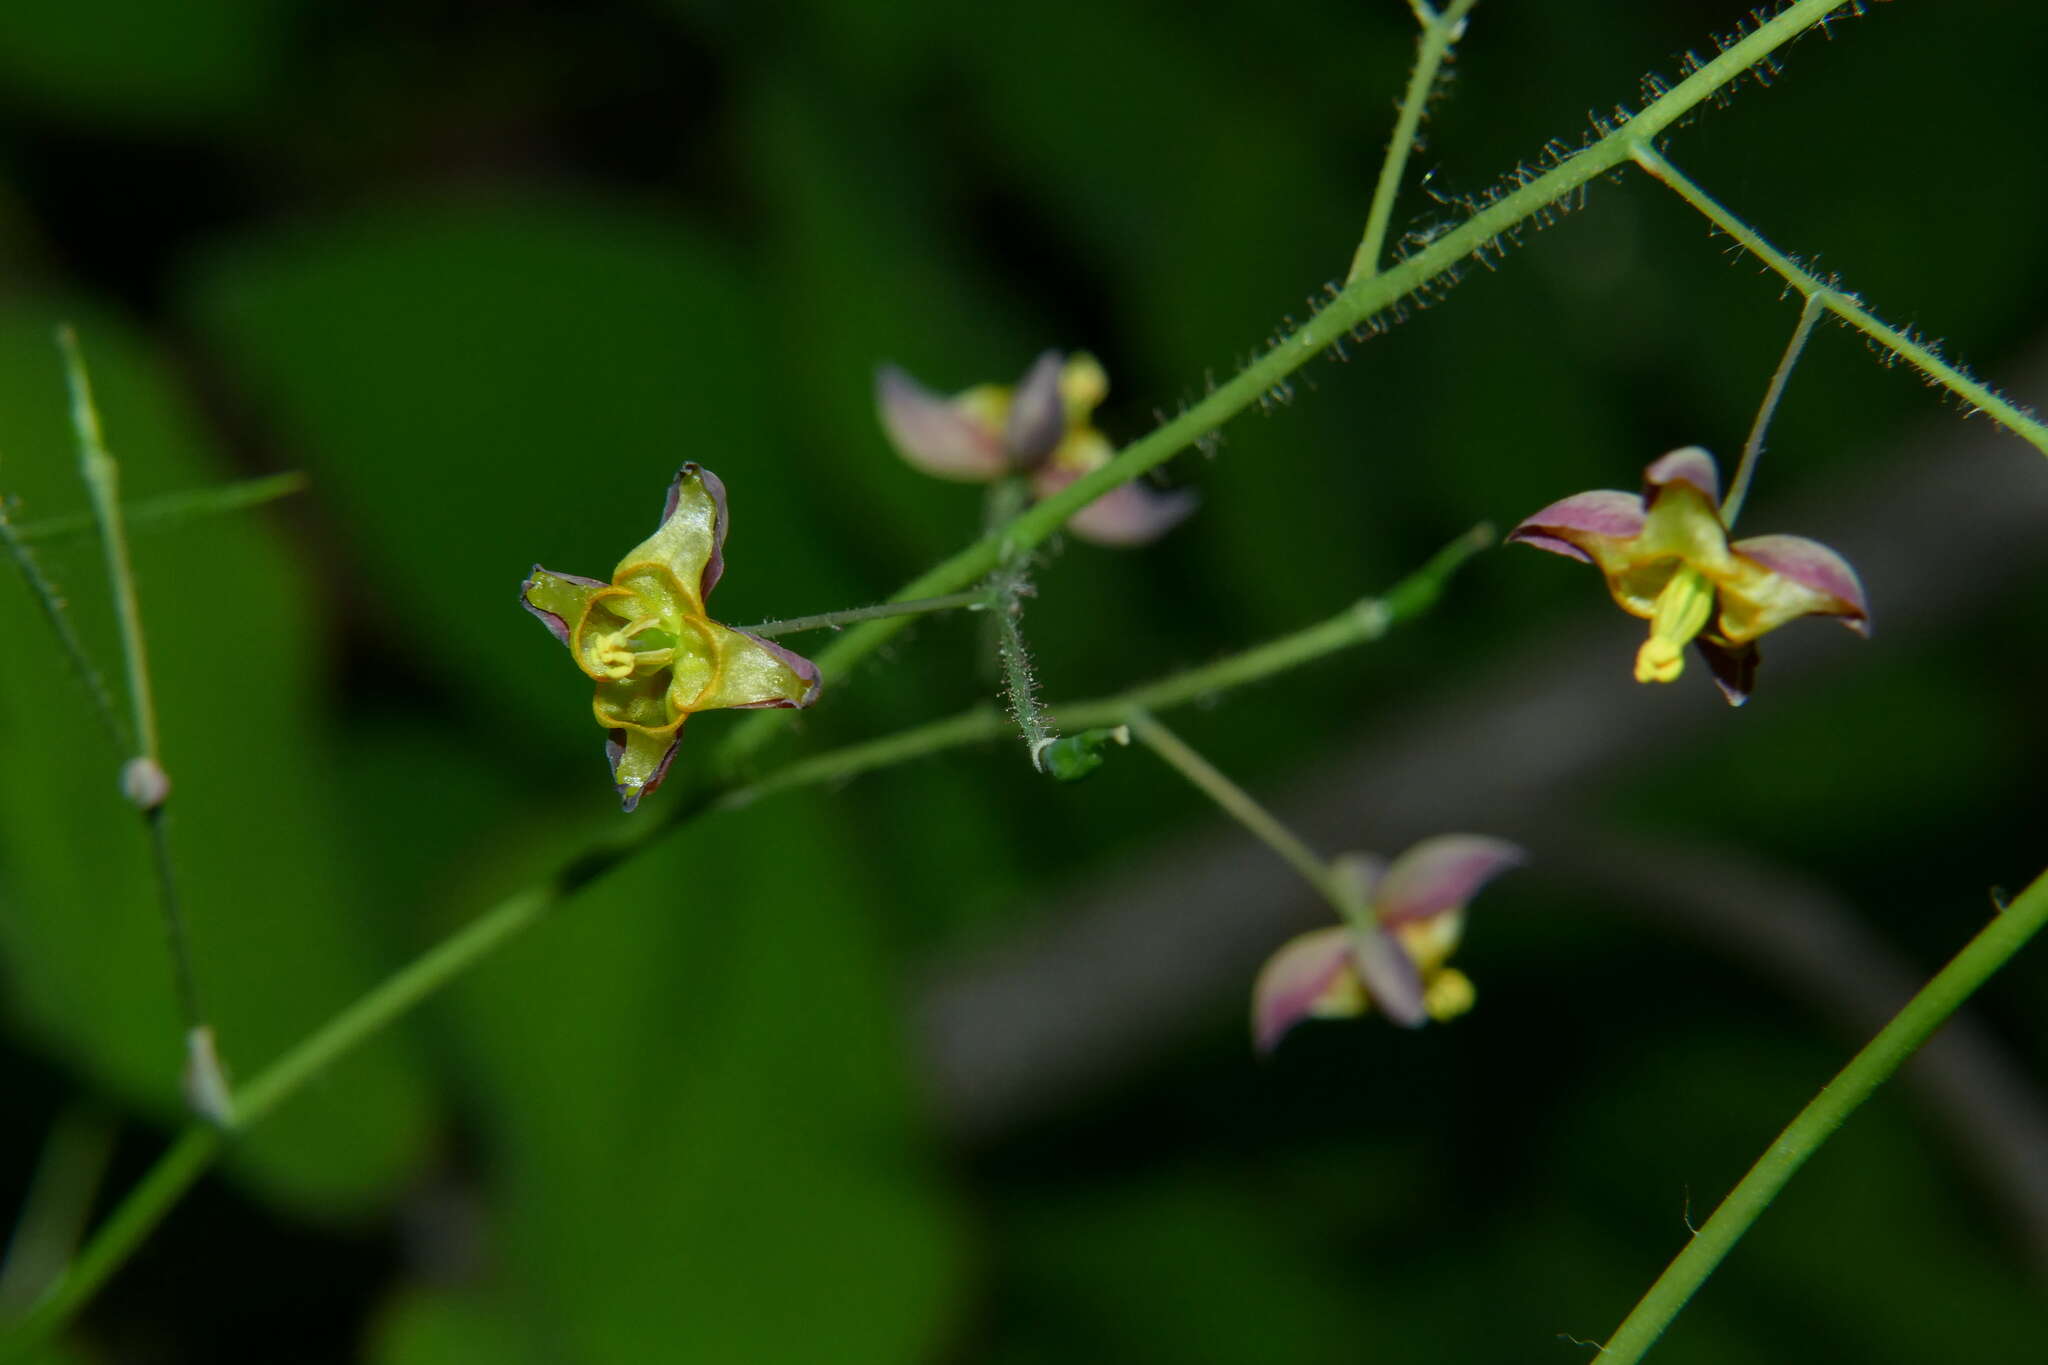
pixel 140 61
pixel 697 1120
pixel 262 864
pixel 438 1327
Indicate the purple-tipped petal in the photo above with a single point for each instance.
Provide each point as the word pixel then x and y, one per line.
pixel 1690 464
pixel 1602 512
pixel 1733 667
pixel 1038 415
pixel 615 753
pixel 1441 874
pixel 934 434
pixel 714 567
pixel 1293 980
pixel 1816 568
pixel 796 664
pixel 558 625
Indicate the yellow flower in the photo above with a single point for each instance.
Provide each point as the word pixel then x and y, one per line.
pixel 1667 558
pixel 645 640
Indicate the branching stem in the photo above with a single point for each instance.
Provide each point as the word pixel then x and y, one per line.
pixel 1846 306
pixel 1432 46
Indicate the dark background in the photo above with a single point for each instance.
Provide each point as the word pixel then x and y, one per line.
pixel 951 1064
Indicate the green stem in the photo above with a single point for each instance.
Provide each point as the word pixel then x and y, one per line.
pixel 1847 307
pixel 52 603
pixel 169 509
pixel 206 1085
pixel 1239 805
pixel 1923 1014
pixel 1007 588
pixel 1731 507
pixel 1356 304
pixel 1362 622
pixel 834 620
pixel 1432 46
pixel 103 480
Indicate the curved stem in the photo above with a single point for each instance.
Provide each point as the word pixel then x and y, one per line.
pixel 1432 46
pixel 1979 396
pixel 1817 1122
pixel 1731 507
pixel 834 620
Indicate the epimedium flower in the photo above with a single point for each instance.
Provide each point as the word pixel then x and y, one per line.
pixel 1042 427
pixel 1394 954
pixel 645 640
pixel 1667 558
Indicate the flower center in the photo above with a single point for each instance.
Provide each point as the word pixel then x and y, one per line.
pixel 1683 608
pixel 616 657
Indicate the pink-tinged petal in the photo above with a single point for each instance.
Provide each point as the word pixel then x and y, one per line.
pixel 1293 980
pixel 1389 973
pixel 1565 525
pixel 552 597
pixel 1818 570
pixel 687 549
pixel 1688 465
pixel 1038 415
pixel 1127 515
pixel 1133 514
pixel 933 432
pixel 1441 874
pixel 1733 667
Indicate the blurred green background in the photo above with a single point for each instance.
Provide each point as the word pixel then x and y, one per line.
pixel 951 1065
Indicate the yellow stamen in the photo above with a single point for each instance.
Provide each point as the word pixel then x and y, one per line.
pixel 617 659
pixel 1683 609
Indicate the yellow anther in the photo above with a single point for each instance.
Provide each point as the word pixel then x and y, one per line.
pixel 1448 995
pixel 1683 609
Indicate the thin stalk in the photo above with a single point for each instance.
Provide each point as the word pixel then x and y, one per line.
pixel 1922 1015
pixel 1362 622
pixel 1355 304
pixel 1239 805
pixel 60 1194
pixel 144 779
pixel 103 480
pixel 1847 307
pixel 1731 507
pixel 1432 45
pixel 169 509
pixel 52 603
pixel 835 620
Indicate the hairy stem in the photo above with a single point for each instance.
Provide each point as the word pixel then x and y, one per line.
pixel 834 620
pixel 1817 1122
pixel 1432 47
pixel 190 1156
pixel 1357 303
pixel 1731 507
pixel 1847 307
pixel 1362 622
